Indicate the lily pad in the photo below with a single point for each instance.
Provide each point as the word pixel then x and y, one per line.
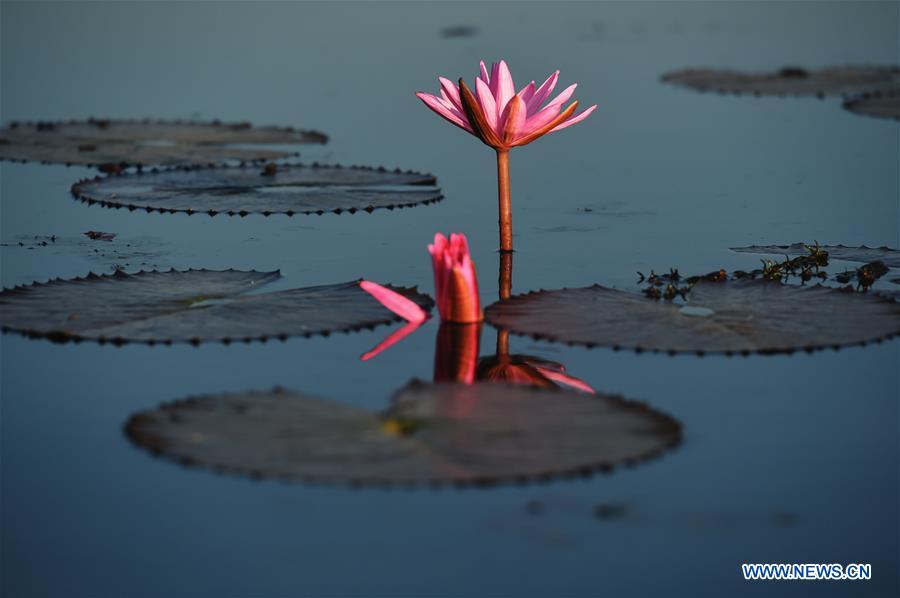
pixel 117 144
pixel 789 80
pixel 187 306
pixel 241 190
pixel 890 257
pixel 432 434
pixel 880 104
pixel 742 316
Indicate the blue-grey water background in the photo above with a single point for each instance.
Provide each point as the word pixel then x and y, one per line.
pixel 784 459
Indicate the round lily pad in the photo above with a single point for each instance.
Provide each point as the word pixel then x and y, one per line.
pixel 273 189
pixel 188 306
pixel 740 316
pixel 795 81
pixel 432 434
pixel 880 104
pixel 890 257
pixel 117 144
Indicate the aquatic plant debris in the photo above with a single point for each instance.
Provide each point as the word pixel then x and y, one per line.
pixel 432 434
pixel 250 189
pixel 890 257
pixel 96 235
pixel 113 145
pixel 672 285
pixel 190 306
pixel 740 316
pixel 789 80
pixel 879 104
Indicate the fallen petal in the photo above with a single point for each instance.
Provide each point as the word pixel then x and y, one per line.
pixel 405 308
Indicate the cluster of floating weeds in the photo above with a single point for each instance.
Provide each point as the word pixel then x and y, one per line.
pixel 672 285
pixel 865 276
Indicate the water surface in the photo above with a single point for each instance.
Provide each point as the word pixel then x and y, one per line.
pixel 784 459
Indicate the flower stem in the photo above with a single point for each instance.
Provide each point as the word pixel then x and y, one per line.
pixel 503 197
pixel 506 266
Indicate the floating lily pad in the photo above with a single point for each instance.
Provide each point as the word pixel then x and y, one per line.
pixel 789 80
pixel 116 144
pixel 741 316
pixel 432 434
pixel 890 257
pixel 880 104
pixel 241 190
pixel 190 306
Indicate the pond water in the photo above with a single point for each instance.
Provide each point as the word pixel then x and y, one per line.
pixel 783 459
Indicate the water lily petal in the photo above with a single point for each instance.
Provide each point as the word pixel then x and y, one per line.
pixel 533 134
pixel 494 83
pixel 549 112
pixel 563 97
pixel 575 119
pixel 451 91
pixel 513 121
pixel 405 308
pixel 542 93
pixel 441 109
pixel 488 105
pixel 527 92
pixel 506 88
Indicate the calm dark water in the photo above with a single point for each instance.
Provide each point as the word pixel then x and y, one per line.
pixel 784 459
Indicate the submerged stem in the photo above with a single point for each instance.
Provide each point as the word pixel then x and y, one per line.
pixel 504 200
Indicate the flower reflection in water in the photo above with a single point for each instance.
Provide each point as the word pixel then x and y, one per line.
pixel 456 360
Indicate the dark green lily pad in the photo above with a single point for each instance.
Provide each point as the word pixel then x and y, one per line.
pixel 432 434
pixel 742 316
pixel 794 81
pixel 117 144
pixel 890 257
pixel 880 104
pixel 241 190
pixel 191 306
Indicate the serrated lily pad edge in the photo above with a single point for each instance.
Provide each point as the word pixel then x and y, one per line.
pixel 63 338
pixel 583 472
pixel 321 138
pixel 85 197
pixel 671 352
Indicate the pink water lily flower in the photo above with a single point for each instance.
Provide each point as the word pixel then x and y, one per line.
pixel 503 119
pixel 499 116
pixel 455 283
